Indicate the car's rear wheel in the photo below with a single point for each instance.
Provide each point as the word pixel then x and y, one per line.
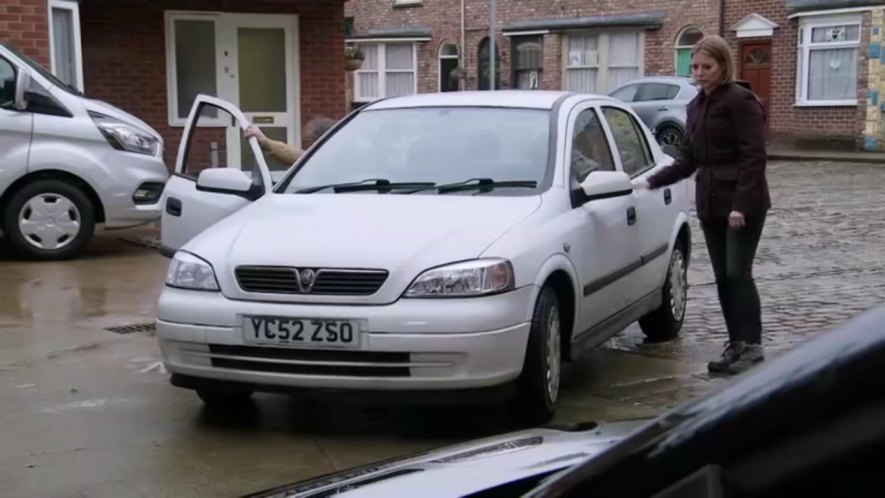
pixel 223 397
pixel 665 322
pixel 539 382
pixel 48 220
pixel 672 136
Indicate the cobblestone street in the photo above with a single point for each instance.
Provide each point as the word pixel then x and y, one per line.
pixel 820 261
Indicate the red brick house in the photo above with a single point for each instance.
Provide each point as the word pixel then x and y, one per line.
pixel 281 61
pixel 592 46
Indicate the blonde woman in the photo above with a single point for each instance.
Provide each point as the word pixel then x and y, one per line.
pixel 726 148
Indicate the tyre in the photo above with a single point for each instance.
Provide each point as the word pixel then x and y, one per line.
pixel 542 368
pixel 224 397
pixel 48 220
pixel 671 136
pixel 665 322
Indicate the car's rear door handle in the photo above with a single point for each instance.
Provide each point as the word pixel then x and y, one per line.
pixel 663 108
pixel 668 197
pixel 173 206
pixel 631 215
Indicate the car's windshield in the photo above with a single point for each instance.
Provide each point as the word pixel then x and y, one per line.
pixel 433 147
pixel 40 69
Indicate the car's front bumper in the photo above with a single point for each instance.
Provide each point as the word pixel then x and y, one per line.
pixel 410 345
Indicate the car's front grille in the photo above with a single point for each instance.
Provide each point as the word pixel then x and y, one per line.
pixel 318 281
pixel 310 362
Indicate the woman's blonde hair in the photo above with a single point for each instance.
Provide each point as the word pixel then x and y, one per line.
pixel 717 48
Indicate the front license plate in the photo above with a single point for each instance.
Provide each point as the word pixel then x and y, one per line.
pixel 307 332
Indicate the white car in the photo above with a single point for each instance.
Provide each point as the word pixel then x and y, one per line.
pixel 456 243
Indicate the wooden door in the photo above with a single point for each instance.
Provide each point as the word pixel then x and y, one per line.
pixel 756 70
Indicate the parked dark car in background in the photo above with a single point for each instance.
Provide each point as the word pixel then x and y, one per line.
pixel 810 422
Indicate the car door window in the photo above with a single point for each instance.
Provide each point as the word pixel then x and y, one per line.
pixel 7 83
pixel 632 147
pixel 590 148
pixel 625 94
pixel 655 91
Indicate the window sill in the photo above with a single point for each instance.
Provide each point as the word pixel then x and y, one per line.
pixel 827 103
pixel 407 4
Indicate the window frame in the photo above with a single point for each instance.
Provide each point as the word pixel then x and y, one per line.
pixel 516 41
pixel 805 47
pixel 602 46
pixel 652 160
pixel 441 57
pixel 74 8
pixel 570 140
pixel 679 47
pixel 382 70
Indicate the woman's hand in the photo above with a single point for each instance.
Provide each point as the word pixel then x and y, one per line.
pixel 736 220
pixel 640 184
pixel 254 131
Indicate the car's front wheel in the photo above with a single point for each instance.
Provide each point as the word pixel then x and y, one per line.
pixel 665 322
pixel 542 369
pixel 48 220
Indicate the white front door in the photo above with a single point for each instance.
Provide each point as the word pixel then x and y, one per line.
pixel 656 210
pixel 259 78
pixel 255 68
pixel 605 240
pixel 189 209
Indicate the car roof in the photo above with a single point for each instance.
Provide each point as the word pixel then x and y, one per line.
pixel 516 99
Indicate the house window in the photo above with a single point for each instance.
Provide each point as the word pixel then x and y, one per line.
pixel 65 53
pixel 527 62
pixel 388 70
pixel 448 65
pixel 684 43
pixel 828 61
pixel 601 62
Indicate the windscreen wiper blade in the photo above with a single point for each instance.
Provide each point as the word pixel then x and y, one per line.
pixel 380 184
pixel 485 184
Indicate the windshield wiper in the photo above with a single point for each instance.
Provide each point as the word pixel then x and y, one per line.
pixel 485 184
pixel 380 184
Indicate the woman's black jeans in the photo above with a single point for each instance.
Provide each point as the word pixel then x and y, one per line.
pixel 732 251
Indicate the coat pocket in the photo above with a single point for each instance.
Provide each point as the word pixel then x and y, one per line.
pixel 726 174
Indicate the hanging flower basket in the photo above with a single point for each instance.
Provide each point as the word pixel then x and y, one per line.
pixel 353 58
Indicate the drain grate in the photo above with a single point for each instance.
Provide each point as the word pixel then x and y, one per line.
pixel 134 328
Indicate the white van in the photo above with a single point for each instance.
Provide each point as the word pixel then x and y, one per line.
pixel 69 163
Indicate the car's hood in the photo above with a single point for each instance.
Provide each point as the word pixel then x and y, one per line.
pixel 465 468
pixel 397 233
pixel 103 107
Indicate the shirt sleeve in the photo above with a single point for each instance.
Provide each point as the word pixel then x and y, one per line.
pixel 281 151
pixel 682 168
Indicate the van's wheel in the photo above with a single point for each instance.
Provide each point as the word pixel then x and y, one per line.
pixel 665 322
pixel 542 368
pixel 48 220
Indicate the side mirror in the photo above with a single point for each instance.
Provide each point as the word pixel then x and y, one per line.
pixel 225 181
pixel 22 83
pixel 604 185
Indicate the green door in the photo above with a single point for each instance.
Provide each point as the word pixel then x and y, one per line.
pixel 683 62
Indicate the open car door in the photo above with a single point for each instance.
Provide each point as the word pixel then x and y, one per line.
pixel 204 189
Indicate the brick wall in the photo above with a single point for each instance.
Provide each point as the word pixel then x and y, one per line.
pixel 807 126
pixel 443 17
pixel 125 62
pixel 24 23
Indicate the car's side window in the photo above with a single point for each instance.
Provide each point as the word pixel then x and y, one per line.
pixel 626 94
pixel 590 148
pixel 632 147
pixel 7 83
pixel 654 91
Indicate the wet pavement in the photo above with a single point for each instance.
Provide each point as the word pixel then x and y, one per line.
pixel 87 411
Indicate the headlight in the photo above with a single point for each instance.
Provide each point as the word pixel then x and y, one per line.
pixel 187 271
pixel 123 136
pixel 471 278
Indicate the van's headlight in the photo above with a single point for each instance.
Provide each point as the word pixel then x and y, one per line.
pixel 187 271
pixel 471 278
pixel 123 136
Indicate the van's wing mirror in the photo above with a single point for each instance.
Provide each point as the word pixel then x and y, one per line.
pixel 22 83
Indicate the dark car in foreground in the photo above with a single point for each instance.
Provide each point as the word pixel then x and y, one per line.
pixel 808 423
